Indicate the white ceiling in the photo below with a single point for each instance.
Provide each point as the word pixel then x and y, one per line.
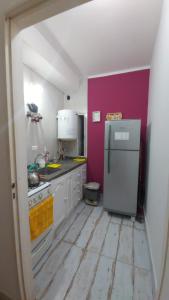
pixel 45 57
pixel 108 35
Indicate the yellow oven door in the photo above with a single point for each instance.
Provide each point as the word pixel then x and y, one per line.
pixel 41 217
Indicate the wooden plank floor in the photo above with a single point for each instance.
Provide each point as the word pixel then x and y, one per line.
pixel 96 256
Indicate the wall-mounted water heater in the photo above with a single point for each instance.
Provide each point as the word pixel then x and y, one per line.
pixel 67 125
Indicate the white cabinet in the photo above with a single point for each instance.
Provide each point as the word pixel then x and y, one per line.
pixel 76 188
pixel 67 192
pixel 83 174
pixel 58 187
pixel 68 205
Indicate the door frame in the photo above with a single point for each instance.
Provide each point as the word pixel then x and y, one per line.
pixel 24 16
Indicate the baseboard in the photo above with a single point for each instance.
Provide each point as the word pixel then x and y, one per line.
pixel 151 257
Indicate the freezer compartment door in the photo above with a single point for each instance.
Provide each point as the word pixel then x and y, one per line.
pixel 121 170
pixel 122 135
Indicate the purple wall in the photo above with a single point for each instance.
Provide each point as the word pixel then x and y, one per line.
pixel 126 93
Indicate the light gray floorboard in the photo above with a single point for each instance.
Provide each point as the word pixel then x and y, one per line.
pixel 111 241
pixel 89 227
pixel 127 222
pixel 83 279
pixel 61 232
pixel 116 219
pixel 142 285
pixel 68 223
pixel 125 252
pixel 103 280
pixel 77 226
pixel 46 274
pixel 99 234
pixel 141 251
pixel 64 275
pixel 140 226
pixel 123 282
pixel 73 273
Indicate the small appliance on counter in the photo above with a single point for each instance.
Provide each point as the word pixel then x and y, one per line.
pixel 33 179
pixel 35 189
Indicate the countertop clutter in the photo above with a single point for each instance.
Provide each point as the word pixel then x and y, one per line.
pixel 66 165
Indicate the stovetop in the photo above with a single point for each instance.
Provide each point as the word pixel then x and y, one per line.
pixel 33 190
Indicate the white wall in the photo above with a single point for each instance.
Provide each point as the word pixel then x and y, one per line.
pixel 78 100
pixel 49 100
pixel 158 147
pixel 42 55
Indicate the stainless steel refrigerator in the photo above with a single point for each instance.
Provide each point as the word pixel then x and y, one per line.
pixel 121 166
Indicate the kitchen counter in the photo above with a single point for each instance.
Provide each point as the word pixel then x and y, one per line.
pixel 67 165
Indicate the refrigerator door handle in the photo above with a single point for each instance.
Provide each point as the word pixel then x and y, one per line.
pixel 109 136
pixel 108 161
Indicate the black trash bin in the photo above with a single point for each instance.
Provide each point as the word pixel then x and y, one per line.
pixel 91 193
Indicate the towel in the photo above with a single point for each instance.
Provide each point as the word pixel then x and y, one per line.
pixel 41 217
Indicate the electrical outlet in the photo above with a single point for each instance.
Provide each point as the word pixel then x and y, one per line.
pixel 34 148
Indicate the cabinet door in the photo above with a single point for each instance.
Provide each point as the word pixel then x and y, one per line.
pixel 83 173
pixel 68 200
pixel 76 188
pixel 83 178
pixel 59 202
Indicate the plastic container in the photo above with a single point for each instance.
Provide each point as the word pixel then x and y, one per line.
pixel 91 193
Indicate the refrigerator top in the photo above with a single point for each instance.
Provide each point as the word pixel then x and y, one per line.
pixel 122 135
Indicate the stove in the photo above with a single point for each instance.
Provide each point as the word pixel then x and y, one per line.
pixel 38 194
pixel 33 190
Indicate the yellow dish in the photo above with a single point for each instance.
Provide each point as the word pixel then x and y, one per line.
pixel 54 166
pixel 79 159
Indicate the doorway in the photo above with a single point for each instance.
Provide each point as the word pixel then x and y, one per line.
pixel 16 21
